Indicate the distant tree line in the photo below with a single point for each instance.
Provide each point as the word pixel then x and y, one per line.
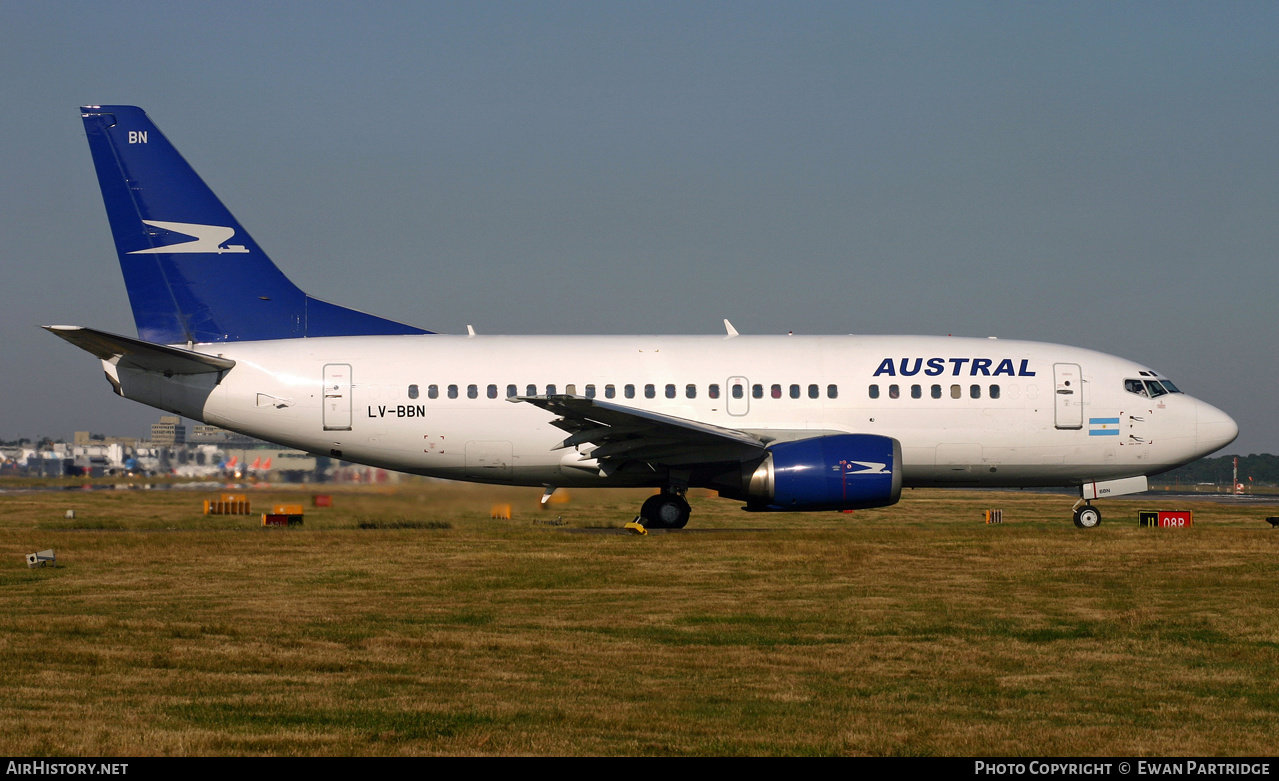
pixel 1263 469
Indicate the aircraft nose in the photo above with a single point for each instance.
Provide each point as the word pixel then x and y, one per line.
pixel 1214 429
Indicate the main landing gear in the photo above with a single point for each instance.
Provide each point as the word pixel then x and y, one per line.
pixel 665 511
pixel 1087 517
pixel 669 509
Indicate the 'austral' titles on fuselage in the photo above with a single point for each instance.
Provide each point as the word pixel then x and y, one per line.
pixel 936 367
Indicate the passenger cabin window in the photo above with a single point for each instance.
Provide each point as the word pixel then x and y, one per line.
pixel 610 391
pixel 512 391
pixel 590 391
pixel 550 390
pixel 650 391
pixel 670 390
pixel 492 391
pixel 412 391
pixel 975 391
pixel 956 392
pixel 690 391
pixel 571 389
pixel 894 392
pixel 916 392
pixel 936 391
pixel 472 392
pixel 994 391
pixel 776 391
pixel 452 391
pixel 757 391
pixel 873 391
pixel 630 391
pixel 712 391
pixel 814 392
pixel 432 391
pixel 832 391
pixel 794 391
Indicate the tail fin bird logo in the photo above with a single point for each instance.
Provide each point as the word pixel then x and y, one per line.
pixel 208 238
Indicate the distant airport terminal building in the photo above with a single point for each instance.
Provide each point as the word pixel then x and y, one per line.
pixel 209 451
pixel 169 432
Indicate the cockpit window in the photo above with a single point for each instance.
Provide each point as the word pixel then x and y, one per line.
pixel 1150 388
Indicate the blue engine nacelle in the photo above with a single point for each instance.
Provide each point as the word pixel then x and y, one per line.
pixel 837 472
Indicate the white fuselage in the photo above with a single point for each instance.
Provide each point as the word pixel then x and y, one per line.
pixel 966 411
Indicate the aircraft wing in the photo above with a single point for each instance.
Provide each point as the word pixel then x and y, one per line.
pixel 618 434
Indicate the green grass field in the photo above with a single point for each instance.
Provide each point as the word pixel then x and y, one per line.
pixel 409 622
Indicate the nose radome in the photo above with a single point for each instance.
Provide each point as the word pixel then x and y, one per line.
pixel 1214 428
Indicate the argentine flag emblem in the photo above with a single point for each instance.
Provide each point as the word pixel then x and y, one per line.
pixel 1103 427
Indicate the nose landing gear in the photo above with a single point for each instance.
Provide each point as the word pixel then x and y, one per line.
pixel 1087 517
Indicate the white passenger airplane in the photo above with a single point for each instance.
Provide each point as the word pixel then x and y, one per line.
pixel 781 423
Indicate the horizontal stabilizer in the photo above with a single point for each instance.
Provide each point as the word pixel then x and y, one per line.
pixel 135 353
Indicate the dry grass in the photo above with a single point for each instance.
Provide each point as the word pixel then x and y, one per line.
pixel 910 630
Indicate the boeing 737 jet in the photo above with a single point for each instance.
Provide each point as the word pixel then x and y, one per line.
pixel 780 423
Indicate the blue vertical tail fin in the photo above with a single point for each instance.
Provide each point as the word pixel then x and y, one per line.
pixel 193 273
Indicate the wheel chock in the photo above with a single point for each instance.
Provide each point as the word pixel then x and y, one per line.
pixel 635 527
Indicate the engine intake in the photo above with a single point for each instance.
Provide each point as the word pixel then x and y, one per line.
pixel 837 472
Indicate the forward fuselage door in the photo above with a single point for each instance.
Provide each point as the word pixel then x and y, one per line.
pixel 1069 395
pixel 337 397
pixel 739 400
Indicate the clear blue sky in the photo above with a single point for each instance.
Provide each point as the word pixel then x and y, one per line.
pixel 1099 174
